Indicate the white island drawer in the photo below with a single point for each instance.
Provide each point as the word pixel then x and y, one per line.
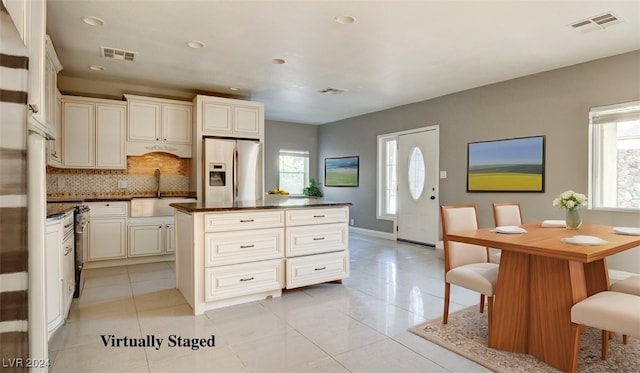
pixel 236 221
pixel 317 216
pixel 243 279
pixel 240 247
pixel 315 269
pixel 306 240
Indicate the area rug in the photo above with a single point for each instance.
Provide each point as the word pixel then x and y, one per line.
pixel 466 335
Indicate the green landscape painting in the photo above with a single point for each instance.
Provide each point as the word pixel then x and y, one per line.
pixel 512 165
pixel 341 171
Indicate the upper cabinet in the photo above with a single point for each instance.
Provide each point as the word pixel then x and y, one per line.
pixel 52 103
pixel 158 125
pixel 93 133
pixel 229 118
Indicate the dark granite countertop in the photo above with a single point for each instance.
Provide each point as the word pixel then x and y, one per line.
pixel 60 208
pixel 199 206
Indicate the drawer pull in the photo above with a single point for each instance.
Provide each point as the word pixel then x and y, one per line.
pixel 246 246
pixel 318 238
pixel 67 225
pixel 67 250
pixel 246 221
pixel 246 279
pixel 320 269
pixel 318 216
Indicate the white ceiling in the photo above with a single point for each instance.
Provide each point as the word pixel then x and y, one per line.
pixel 397 52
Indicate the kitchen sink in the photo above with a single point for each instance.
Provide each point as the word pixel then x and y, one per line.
pixel 151 206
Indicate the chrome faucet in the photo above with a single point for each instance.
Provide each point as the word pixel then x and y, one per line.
pixel 157 174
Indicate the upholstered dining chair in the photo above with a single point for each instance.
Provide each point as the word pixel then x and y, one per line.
pixel 466 265
pixel 505 213
pixel 608 310
pixel 630 285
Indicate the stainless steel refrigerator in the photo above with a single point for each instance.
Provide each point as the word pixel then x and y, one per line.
pixel 232 170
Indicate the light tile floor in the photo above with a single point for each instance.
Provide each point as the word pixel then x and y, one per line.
pixel 357 326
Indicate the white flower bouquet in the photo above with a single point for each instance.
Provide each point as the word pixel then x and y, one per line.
pixel 570 200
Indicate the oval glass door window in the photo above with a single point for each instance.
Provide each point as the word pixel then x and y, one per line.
pixel 416 173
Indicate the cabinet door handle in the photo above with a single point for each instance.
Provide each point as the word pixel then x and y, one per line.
pixel 318 216
pixel 318 238
pixel 246 221
pixel 159 226
pixel 246 279
pixel 246 246
pixel 320 269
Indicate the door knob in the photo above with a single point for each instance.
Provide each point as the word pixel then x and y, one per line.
pixel 433 197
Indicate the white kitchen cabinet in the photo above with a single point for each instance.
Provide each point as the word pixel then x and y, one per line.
pixel 158 125
pixel 107 230
pixel 93 133
pixel 150 236
pixel 230 118
pixel 59 268
pixel 52 103
pixel 238 280
pixel 68 263
pixel 53 247
pixel 317 245
pixel 169 238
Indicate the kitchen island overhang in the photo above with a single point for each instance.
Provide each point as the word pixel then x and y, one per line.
pixel 229 253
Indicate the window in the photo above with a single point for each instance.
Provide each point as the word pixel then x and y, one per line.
pixel 614 157
pixel 387 176
pixel 294 171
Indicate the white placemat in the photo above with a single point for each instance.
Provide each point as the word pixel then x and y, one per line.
pixel 554 224
pixel 584 240
pixel 631 231
pixel 509 229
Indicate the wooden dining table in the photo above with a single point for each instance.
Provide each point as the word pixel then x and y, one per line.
pixel 539 279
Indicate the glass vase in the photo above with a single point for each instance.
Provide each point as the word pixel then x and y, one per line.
pixel 573 218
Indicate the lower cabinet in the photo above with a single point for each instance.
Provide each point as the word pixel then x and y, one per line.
pixel 243 279
pixel 59 269
pixel 53 247
pixel 107 238
pixel 150 237
pixel 107 230
pixel 315 269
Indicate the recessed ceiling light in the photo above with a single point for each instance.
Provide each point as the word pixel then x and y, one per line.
pixel 195 44
pixel 234 89
pixel 96 68
pixel 344 20
pixel 277 61
pixel 93 21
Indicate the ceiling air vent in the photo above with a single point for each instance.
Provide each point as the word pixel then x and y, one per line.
pixel 333 91
pixel 598 22
pixel 118 54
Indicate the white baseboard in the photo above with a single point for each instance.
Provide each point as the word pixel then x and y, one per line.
pixel 372 233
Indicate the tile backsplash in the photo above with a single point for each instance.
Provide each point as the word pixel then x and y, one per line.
pixel 138 180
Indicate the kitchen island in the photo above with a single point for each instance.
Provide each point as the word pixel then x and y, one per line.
pixel 229 253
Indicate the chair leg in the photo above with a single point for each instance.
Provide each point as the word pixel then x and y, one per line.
pixel 445 314
pixel 625 339
pixel 605 344
pixel 577 331
pixel 489 316
pixel 481 303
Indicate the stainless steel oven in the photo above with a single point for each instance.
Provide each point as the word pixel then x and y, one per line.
pixel 81 237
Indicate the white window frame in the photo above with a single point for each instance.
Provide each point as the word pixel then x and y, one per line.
pixel 598 174
pixel 381 200
pixel 297 153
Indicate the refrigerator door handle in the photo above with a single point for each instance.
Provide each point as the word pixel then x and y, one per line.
pixel 235 173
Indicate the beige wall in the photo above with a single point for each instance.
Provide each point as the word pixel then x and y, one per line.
pixel 555 104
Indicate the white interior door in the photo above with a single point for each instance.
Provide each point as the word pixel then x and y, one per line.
pixel 418 187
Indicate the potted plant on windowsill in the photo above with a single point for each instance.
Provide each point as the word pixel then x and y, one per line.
pixel 312 190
